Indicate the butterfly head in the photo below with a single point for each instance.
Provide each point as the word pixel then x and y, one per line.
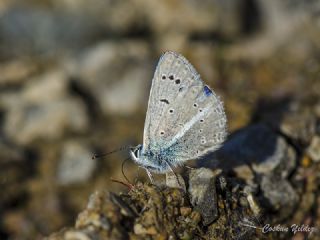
pixel 144 160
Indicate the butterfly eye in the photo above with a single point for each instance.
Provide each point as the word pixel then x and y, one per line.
pixel 177 81
pixel 171 77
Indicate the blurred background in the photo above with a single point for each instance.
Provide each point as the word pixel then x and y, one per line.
pixel 75 78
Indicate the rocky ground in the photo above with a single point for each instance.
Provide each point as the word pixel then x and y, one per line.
pixel 268 175
pixel 75 79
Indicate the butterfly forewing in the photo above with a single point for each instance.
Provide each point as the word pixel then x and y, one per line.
pixel 162 94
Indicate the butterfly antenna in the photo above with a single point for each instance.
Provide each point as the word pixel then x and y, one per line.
pixel 122 169
pixel 95 156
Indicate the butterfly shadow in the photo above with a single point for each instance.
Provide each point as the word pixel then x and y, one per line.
pixel 260 142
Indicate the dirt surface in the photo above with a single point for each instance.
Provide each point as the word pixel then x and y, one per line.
pixel 75 80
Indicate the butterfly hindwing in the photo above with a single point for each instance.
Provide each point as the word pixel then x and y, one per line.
pixel 204 131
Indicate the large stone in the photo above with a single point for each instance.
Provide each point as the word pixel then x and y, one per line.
pixel 118 76
pixel 16 72
pixel 313 149
pixel 76 165
pixel 294 119
pixel 279 195
pixel 256 146
pixel 43 110
pixel 33 30
pixel 202 192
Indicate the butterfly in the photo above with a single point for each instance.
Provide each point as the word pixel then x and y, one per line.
pixel 185 119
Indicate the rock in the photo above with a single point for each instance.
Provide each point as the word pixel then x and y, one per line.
pixel 10 153
pixel 50 86
pixel 76 165
pixel 175 181
pixel 202 18
pixel 185 211
pixel 115 17
pixel 27 123
pixel 274 23
pixel 124 207
pixel 299 125
pixel 317 112
pixel 282 161
pixel 16 169
pixel 101 218
pixel 140 230
pixel 76 235
pixel 279 194
pixel 313 149
pixel 237 206
pixel 15 72
pixel 43 110
pixel 202 191
pixel 133 86
pixel 258 146
pixel 110 71
pixel 251 192
pixel 294 119
pixel 38 30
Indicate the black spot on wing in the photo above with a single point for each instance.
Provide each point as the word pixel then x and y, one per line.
pixel 207 91
pixel 164 100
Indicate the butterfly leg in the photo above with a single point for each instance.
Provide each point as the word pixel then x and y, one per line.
pixel 150 176
pixel 175 175
pixel 188 167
